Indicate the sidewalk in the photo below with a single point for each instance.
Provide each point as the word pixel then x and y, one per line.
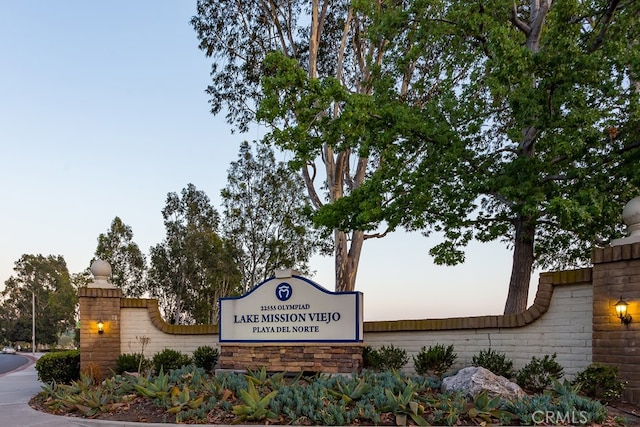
pixel 16 389
pixel 19 386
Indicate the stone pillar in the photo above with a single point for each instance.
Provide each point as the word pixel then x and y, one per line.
pixel 99 301
pixel 616 274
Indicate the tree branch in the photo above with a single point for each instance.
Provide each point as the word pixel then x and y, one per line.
pixel 520 24
pixel 308 180
pixel 605 22
pixel 376 235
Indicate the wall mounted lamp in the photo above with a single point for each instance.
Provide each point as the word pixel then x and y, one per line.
pixel 621 311
pixel 100 327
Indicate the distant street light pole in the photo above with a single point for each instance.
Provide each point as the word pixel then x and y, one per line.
pixel 33 322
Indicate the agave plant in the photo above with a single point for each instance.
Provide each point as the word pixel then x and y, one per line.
pixel 404 404
pixel 256 407
pixel 349 391
pixel 485 409
pixel 262 378
pixel 181 399
pixel 157 388
pixel 92 402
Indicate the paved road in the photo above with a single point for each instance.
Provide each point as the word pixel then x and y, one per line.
pixel 9 362
pixel 19 386
pixel 16 389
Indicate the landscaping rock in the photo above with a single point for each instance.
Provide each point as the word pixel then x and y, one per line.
pixel 474 380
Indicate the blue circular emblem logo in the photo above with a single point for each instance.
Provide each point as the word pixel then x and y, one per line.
pixel 284 291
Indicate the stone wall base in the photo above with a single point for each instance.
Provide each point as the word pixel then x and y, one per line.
pixel 292 358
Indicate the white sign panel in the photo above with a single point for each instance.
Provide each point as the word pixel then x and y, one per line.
pixel 291 309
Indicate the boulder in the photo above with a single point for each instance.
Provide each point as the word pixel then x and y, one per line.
pixel 474 380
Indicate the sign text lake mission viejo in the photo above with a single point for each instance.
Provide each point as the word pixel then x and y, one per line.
pixel 291 308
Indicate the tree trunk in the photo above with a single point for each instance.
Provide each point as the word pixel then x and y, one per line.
pixel 347 259
pixel 522 266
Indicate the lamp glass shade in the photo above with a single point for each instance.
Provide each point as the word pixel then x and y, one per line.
pixel 621 308
pixel 100 325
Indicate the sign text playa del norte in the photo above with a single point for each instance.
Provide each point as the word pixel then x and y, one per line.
pixel 291 308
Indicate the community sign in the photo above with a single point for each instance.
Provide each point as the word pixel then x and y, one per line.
pixel 290 308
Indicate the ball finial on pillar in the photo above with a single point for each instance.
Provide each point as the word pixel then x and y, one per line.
pixel 101 271
pixel 631 217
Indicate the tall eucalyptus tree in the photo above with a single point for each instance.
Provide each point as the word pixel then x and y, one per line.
pixel 265 216
pixel 41 283
pixel 493 120
pixel 128 264
pixel 328 46
pixel 193 266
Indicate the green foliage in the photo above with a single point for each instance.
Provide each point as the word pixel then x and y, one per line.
pixel 555 408
pixel 404 404
pixel 600 381
pixel 127 262
pixel 265 216
pixel 193 395
pixel 553 118
pixel 539 374
pixel 85 398
pixel 485 409
pixel 60 367
pixel 157 387
pixel 131 362
pixel 348 391
pixel 498 363
pixel 255 407
pixel 193 266
pixel 369 357
pixel 168 359
pixel 435 360
pixel 446 408
pixel 385 358
pixel 181 399
pixel 206 357
pixel 262 378
pixel 46 281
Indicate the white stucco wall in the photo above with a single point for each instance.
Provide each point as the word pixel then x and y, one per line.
pixel 565 329
pixel 135 322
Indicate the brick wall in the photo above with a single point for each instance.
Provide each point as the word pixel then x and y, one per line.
pixel 293 358
pixel 616 273
pixel 99 352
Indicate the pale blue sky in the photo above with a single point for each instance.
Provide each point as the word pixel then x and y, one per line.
pixel 103 112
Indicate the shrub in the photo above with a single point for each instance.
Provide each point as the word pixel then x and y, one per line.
pixel 539 373
pixel 370 358
pixel 600 381
pixel 385 358
pixel 436 360
pixel 61 367
pixel 498 363
pixel 206 357
pixel 131 362
pixel 168 359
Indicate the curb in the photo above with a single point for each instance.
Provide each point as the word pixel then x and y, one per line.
pixel 32 360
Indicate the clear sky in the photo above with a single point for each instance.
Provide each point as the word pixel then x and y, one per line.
pixel 103 112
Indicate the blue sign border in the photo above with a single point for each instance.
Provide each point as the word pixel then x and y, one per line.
pixel 358 332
